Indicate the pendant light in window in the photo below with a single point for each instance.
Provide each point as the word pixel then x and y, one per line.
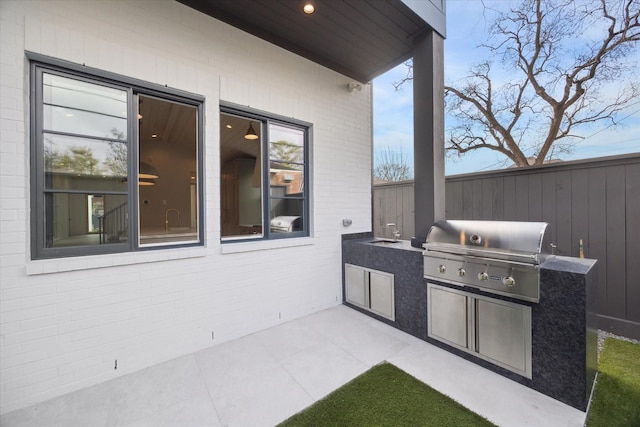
pixel 147 171
pixel 147 175
pixel 144 182
pixel 251 133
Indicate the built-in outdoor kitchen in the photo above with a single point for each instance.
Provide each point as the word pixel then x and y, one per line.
pixel 492 292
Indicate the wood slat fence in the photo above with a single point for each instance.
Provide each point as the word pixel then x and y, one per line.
pixel 595 200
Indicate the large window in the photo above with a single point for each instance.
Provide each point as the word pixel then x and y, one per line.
pixel 264 176
pixel 116 166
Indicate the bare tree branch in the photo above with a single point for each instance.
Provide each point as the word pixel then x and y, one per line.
pixel 562 58
pixel 392 165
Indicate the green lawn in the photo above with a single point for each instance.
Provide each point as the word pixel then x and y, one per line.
pixel 386 396
pixel 616 400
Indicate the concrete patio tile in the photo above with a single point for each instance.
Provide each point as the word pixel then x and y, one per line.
pixel 502 401
pixel 162 392
pixel 264 378
pixel 353 332
pixel 291 338
pixel 322 369
pixel 86 407
pixel 248 386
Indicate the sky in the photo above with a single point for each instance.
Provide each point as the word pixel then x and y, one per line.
pixel 466 27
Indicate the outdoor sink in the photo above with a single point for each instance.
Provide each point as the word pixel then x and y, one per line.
pixel 384 242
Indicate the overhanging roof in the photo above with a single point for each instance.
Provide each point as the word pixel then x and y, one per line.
pixel 359 38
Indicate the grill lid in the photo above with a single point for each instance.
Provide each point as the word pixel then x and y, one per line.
pixel 510 240
pixel 286 224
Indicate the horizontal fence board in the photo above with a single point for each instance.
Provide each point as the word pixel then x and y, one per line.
pixel 595 200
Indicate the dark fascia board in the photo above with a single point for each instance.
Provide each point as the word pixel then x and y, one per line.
pixel 210 8
pixel 433 12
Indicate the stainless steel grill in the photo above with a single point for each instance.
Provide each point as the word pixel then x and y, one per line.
pixel 500 257
pixel 286 224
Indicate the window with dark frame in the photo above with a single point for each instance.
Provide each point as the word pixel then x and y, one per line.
pixel 264 176
pixel 116 163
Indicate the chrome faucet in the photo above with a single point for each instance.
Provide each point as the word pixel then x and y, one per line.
pixel 166 217
pixel 396 232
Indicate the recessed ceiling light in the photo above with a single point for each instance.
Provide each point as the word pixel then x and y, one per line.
pixel 309 8
pixel 229 127
pixel 69 114
pixel 153 135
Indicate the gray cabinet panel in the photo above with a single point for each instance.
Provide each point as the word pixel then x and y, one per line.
pixel 494 330
pixel 502 333
pixel 370 289
pixel 381 294
pixel 355 285
pixel 448 315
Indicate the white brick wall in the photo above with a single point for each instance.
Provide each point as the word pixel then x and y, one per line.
pixel 64 322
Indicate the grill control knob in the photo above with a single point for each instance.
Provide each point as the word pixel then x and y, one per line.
pixel 483 276
pixel 461 272
pixel 442 268
pixel 509 281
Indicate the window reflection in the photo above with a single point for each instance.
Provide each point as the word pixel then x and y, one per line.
pixel 259 203
pixel 100 185
pixel 287 170
pixel 80 219
pixel 167 179
pixel 241 178
pixel 80 163
pixel 84 154
pixel 76 107
pixel 289 178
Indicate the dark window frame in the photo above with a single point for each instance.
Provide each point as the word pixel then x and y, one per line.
pixel 39 64
pixel 265 119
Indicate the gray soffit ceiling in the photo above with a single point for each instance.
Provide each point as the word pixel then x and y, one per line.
pixel 359 38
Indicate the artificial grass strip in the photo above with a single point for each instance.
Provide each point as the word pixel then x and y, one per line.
pixel 616 400
pixel 386 396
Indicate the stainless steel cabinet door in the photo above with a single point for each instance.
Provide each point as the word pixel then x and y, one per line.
pixel 504 334
pixel 355 283
pixel 447 315
pixel 381 294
